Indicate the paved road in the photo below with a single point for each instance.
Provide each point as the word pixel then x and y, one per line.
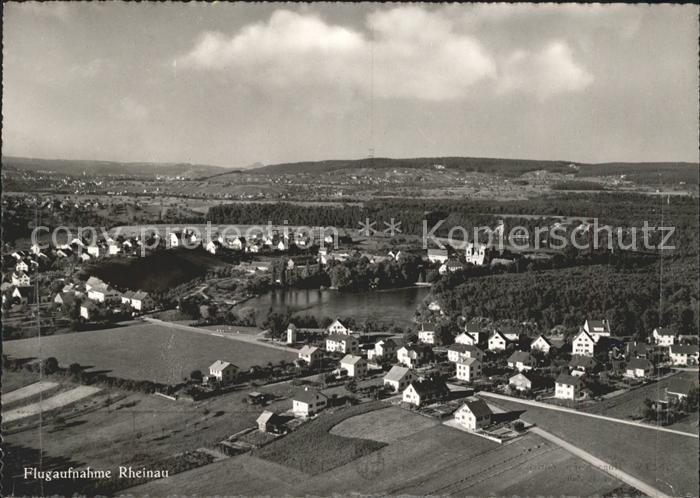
pixel 600 464
pixel 584 414
pixel 236 337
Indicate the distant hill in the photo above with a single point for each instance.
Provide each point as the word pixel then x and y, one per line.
pixel 102 168
pixel 509 167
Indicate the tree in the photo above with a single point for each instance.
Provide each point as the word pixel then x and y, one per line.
pixel 693 398
pixel 50 365
pixel 196 375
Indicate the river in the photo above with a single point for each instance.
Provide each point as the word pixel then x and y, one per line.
pixel 392 305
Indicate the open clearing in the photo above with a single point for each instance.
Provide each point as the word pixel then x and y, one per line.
pixel 385 426
pixel 54 402
pixel 145 351
pixel 27 391
pixel 669 461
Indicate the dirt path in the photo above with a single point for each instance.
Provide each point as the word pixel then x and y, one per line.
pixel 52 403
pixel 584 414
pixel 241 337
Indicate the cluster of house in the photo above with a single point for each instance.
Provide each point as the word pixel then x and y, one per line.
pixel 253 243
pixel 474 254
pixel 98 291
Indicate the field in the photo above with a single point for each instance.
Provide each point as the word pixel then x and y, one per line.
pixel 630 404
pixel 666 461
pixel 27 392
pixel 432 461
pixel 49 404
pixel 385 426
pixel 145 352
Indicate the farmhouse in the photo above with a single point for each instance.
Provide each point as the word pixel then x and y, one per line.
pixel 356 366
pixel 597 328
pixel 413 355
pixel 639 368
pixel 468 369
pixel 270 422
pixel 310 354
pixel 308 402
pixel 684 355
pixel 541 344
pixel 399 377
pixel 338 327
pixel 521 361
pixel 663 336
pixel 583 344
pixel 567 387
pixel 458 352
pixel 139 301
pixel 338 343
pixel 103 294
pixel 223 371
pixel 419 393
pixel 474 414
pixel 437 255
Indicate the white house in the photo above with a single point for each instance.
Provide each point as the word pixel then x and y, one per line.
pixel 474 414
pixel 310 354
pixel 663 336
pixel 414 355
pixel 93 250
pixel 427 334
pixel 498 341
pixel 384 348
pixel 567 387
pixel 308 402
pixel 597 328
pixel 356 366
pixel 419 393
pixel 583 344
pixel 291 333
pixel 684 355
pixel 468 369
pixel 458 352
pixel 21 266
pixel 639 368
pixel 338 343
pixel 223 371
pixel 398 378
pixel 103 294
pixel 21 279
pixel 468 338
pixel 141 301
pixel 521 361
pixel 338 327
pixel 85 312
pixel 541 344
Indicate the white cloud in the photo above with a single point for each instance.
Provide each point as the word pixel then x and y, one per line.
pixel 415 53
pixel 547 72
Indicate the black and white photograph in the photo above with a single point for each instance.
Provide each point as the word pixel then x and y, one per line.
pixel 278 249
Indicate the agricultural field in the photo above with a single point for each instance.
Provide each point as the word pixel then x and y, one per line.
pixel 385 426
pixel 50 403
pixel 618 444
pixel 145 352
pixel 630 404
pixel 436 460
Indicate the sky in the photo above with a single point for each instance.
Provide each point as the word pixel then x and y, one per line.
pixel 237 84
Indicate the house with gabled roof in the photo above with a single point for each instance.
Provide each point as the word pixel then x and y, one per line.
pixel 468 338
pixel 597 328
pixel 223 371
pixel 541 344
pixel 398 378
pixel 498 341
pixel 580 365
pixel 468 369
pixel 308 402
pixel 338 327
pixel 686 355
pixel 664 336
pixel 437 255
pixel 583 344
pixel 426 391
pixel 474 414
pixel 567 387
pixel 521 361
pixel 310 354
pixel 458 352
pixel 639 368
pixel 521 382
pixel 340 343
pixel 270 422
pixel 384 348
pixel 427 333
pixel 21 279
pixel 414 355
pixel 355 366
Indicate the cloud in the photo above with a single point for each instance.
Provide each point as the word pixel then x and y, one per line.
pixel 406 52
pixel 547 72
pixel 129 109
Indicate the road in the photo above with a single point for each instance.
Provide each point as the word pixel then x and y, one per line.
pixel 600 464
pixel 584 414
pixel 235 337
